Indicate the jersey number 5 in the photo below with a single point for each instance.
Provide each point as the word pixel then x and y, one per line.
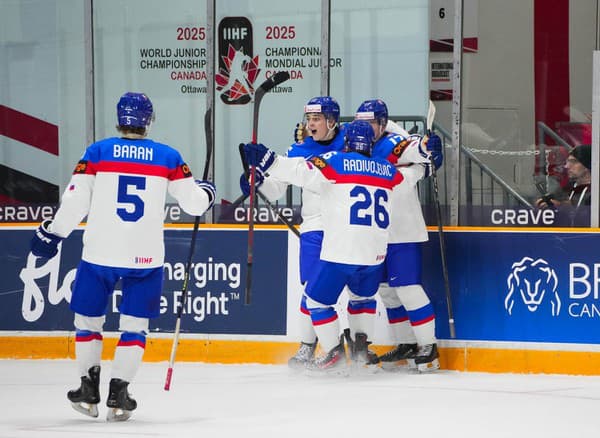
pixel 360 212
pixel 130 214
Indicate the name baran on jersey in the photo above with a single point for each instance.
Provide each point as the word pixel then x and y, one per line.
pixel 133 152
pixel 374 167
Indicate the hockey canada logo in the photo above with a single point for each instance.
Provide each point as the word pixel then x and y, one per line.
pixel 238 69
pixel 533 281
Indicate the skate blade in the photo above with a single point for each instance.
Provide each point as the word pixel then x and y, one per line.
pixel 362 368
pixel 399 365
pixel 337 371
pixel 117 414
pixel 429 366
pixel 91 410
pixel 297 365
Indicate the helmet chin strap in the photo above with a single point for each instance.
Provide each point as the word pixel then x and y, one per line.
pixel 330 130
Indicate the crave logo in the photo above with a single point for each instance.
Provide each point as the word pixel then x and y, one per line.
pixel 238 68
pixel 529 284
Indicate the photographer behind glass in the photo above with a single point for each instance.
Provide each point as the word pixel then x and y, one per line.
pixel 576 199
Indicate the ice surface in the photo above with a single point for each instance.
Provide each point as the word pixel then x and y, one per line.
pixel 246 401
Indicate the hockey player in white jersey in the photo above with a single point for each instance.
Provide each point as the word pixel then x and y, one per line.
pixel 355 191
pixel 408 308
pixel 120 184
pixel 321 124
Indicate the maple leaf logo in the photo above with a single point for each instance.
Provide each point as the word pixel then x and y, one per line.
pixel 238 77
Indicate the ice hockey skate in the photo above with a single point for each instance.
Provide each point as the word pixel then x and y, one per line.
pixel 119 402
pixel 303 356
pixel 360 354
pixel 85 399
pixel 426 359
pixel 332 362
pixel 400 357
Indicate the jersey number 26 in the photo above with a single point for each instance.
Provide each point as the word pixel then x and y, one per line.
pixel 368 208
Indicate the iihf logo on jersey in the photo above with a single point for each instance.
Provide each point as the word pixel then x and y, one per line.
pixel 238 70
pixel 535 282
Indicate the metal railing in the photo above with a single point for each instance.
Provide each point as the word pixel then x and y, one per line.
pixel 482 187
pixel 543 173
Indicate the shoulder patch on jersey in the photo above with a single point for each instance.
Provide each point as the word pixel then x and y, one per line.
pixel 81 167
pixel 400 147
pixel 318 161
pixel 185 169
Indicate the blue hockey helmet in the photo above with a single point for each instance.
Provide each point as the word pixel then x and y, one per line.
pixel 325 105
pixel 360 137
pixel 374 109
pixel 134 110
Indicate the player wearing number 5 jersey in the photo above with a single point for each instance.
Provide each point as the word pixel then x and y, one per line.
pixel 120 184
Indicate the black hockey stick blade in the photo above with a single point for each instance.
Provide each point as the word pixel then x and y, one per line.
pixel 209 142
pixel 273 81
pixel 265 87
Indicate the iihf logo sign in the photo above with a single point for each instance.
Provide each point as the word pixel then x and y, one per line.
pixel 237 68
pixel 533 281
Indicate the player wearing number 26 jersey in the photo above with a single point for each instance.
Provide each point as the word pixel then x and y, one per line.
pixel 355 203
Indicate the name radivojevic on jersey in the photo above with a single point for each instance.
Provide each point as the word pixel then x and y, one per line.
pixel 372 167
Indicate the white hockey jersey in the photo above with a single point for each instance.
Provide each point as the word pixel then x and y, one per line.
pixel 121 185
pixel 405 153
pixel 355 202
pixel 274 189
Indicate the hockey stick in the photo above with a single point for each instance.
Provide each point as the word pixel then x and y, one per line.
pixel 264 198
pixel 438 211
pixel 186 277
pixel 263 89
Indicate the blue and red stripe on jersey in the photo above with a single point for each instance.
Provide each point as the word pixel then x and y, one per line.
pixel 87 336
pixel 386 176
pixel 132 339
pixel 163 161
pixel 422 315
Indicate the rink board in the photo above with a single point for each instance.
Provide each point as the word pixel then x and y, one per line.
pixel 523 300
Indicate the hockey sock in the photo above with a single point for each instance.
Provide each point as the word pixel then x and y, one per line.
pixel 420 312
pixel 307 331
pixel 88 350
pixel 327 326
pixel 361 316
pixel 128 355
pixel 402 332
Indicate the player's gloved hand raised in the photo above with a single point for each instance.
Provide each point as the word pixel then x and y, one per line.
pixel 259 156
pixel 209 189
pixel 300 133
pixel 44 243
pixel 245 182
pixel 433 144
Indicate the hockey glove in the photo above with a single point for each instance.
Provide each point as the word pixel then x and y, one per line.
pixel 259 156
pixel 434 146
pixel 300 133
pixel 431 145
pixel 245 183
pixel 44 243
pixel 209 189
